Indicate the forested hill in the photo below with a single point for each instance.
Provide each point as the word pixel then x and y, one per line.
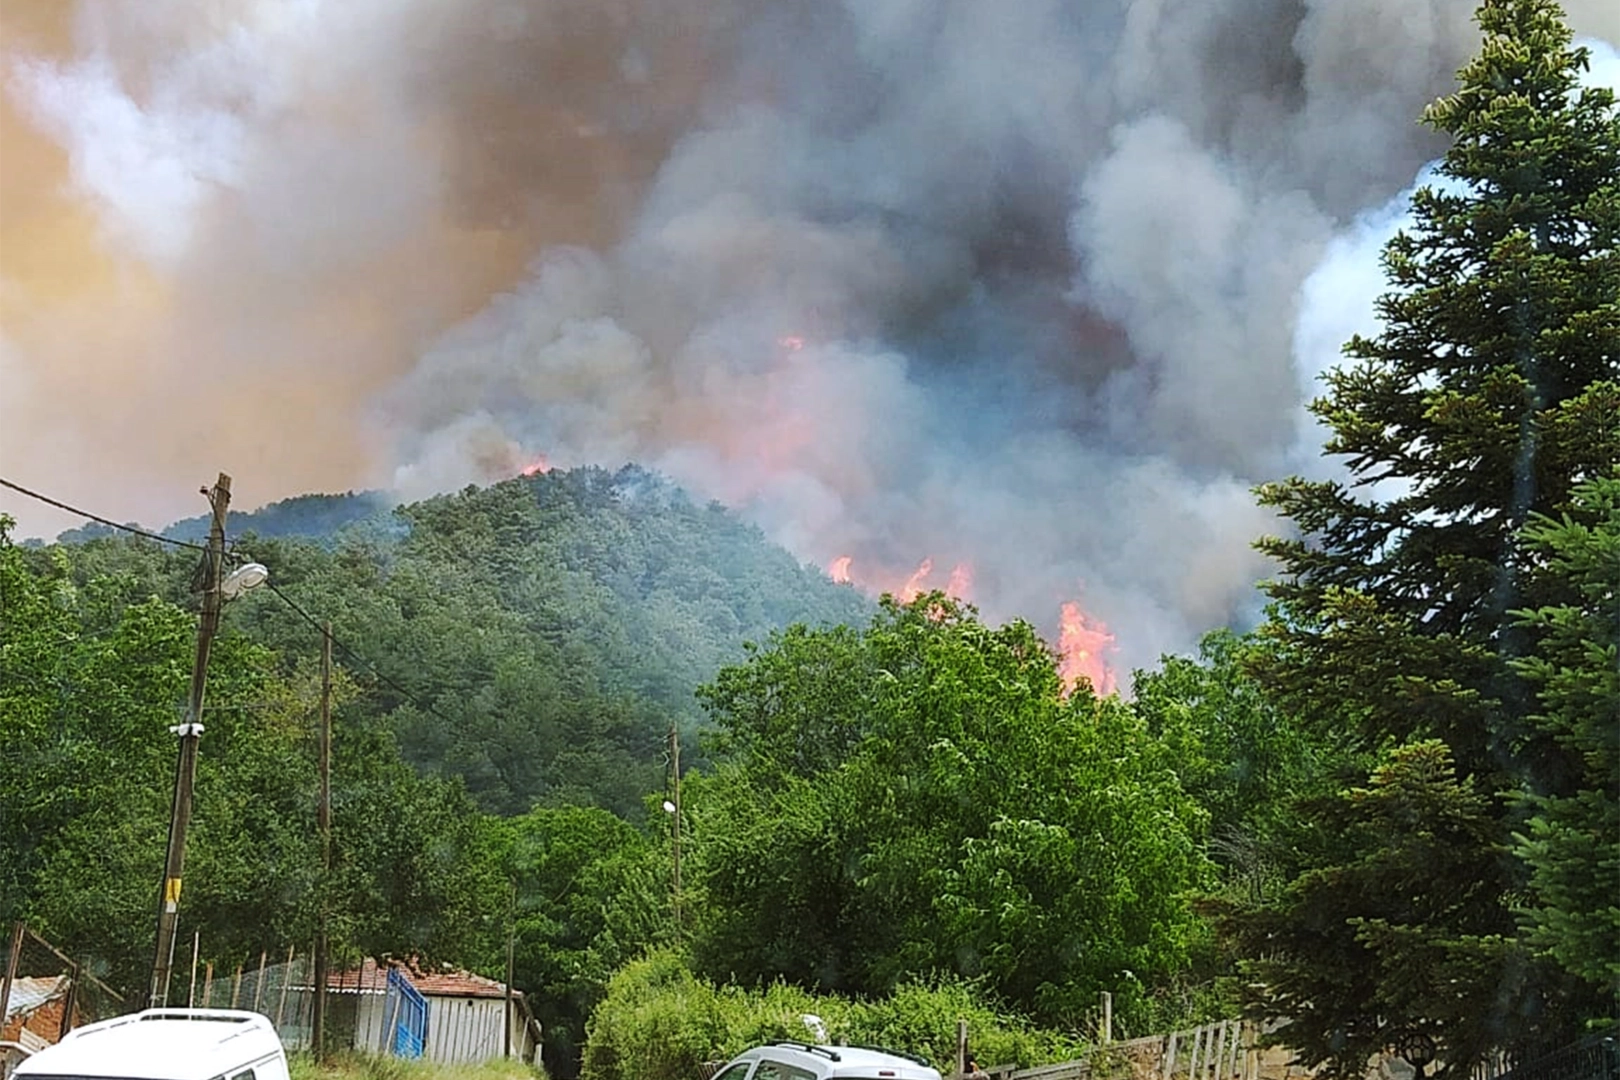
pixel 547 629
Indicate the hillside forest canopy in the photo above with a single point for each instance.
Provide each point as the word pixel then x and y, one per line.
pixel 1390 808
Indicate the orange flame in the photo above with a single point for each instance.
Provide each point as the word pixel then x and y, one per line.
pixel 839 571
pixel 961 584
pixel 538 467
pixel 914 584
pixel 1080 649
pixel 791 342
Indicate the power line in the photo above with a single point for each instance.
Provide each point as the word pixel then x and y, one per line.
pixel 375 671
pixel 306 616
pixel 98 518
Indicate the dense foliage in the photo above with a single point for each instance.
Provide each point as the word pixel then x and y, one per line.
pixel 921 796
pixel 1244 760
pixel 91 677
pixel 887 803
pixel 1570 840
pixel 1488 398
pixel 528 644
pixel 534 639
pixel 660 1021
pixel 591 893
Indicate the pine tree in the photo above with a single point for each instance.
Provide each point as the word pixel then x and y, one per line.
pixel 1571 841
pixel 1491 392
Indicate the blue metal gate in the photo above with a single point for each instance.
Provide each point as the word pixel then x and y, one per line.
pixel 408 1013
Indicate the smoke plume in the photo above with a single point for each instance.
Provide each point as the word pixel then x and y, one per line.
pixel 1016 285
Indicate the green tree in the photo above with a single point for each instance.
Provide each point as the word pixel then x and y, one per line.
pixel 592 893
pixel 1489 394
pixel 1571 842
pixel 93 671
pixel 921 797
pixel 1242 758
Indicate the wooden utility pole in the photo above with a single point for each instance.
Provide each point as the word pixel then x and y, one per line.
pixel 675 767
pixel 324 821
pixel 13 954
pixel 190 733
pixel 511 956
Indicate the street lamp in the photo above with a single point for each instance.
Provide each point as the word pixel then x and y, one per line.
pixel 1418 1049
pixel 217 587
pixel 244 578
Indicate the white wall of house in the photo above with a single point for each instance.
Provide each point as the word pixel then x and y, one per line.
pixel 369 1023
pixel 468 1029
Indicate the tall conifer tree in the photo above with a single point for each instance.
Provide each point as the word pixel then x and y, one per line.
pixel 1491 392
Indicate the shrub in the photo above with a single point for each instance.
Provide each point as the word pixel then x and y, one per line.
pixel 659 1021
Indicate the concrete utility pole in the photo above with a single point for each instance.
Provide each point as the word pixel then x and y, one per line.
pixel 324 820
pixel 190 733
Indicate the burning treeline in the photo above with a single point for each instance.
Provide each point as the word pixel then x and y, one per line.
pixel 1014 280
pixel 1083 645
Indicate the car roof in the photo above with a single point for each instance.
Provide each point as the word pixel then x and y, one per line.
pixel 159 1044
pixel 840 1061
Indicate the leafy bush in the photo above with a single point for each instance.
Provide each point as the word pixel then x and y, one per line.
pixel 659 1021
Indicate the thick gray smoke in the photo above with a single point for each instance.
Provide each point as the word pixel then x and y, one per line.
pixel 1008 284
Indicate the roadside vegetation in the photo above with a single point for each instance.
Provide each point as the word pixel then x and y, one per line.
pixel 363 1067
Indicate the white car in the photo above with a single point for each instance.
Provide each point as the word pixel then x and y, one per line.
pixel 810 1061
pixel 165 1044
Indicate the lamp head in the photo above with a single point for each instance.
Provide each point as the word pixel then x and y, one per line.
pixel 244 578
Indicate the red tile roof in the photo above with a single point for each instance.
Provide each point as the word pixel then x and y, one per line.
pixel 372 977
pixel 368 977
pixel 458 984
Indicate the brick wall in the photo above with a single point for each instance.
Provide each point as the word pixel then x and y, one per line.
pixel 45 1021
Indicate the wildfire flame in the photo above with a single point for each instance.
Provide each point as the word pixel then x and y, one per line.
pixel 791 342
pixel 958 587
pixel 1083 643
pixel 537 467
pixel 914 584
pixel 1080 651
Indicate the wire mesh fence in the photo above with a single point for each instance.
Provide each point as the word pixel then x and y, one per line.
pixel 278 985
pixel 45 993
pixel 370 1006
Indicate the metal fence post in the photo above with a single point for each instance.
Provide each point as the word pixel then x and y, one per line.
pixel 12 956
pixel 70 1002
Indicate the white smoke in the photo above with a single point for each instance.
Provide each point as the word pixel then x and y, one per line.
pixel 1025 285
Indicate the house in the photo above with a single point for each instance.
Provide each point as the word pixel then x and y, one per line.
pixel 447 1016
pixel 467 1018
pixel 34 1012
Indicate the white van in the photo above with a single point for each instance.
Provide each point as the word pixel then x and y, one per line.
pixel 165 1044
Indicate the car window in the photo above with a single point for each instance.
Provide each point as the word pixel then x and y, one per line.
pixel 734 1072
pixel 245 1074
pixel 776 1070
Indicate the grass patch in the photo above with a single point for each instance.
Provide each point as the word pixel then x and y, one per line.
pixel 366 1067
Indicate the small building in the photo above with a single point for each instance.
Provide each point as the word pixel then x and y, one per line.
pixel 33 1017
pixel 467 1019
pixel 447 1016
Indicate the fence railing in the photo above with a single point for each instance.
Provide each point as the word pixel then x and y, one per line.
pixel 1218 1051
pixel 280 987
pixel 1596 1057
pixel 45 993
